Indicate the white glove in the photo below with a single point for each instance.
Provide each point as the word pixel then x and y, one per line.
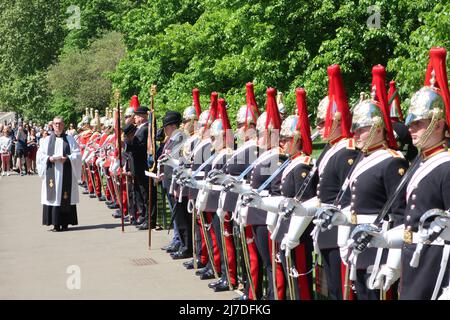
pixel 342 237
pixel 202 198
pixel 297 226
pixel 311 206
pixel 271 221
pixel 392 238
pixel 287 244
pixel 271 203
pixel 389 272
pixel 344 253
pixel 331 217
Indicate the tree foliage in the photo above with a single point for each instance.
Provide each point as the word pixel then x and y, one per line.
pixel 218 45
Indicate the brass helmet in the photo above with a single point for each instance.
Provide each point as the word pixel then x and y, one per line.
pixel 426 103
pixel 190 114
pixel 94 123
pixel 322 110
pixel 289 127
pixel 374 112
pixel 204 118
pixel 217 129
pixel 261 122
pixel 367 113
pixel 129 112
pixel 243 116
pixel 433 100
pixel 86 120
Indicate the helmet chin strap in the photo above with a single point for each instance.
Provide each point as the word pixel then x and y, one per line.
pixel 334 127
pixel 369 140
pixel 426 135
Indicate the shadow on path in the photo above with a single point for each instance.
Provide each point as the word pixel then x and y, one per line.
pixel 93 227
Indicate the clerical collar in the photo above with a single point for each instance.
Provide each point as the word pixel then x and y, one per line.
pixel 334 141
pixel 428 153
pixel 378 146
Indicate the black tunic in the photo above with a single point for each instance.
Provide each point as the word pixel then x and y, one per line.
pixel 288 184
pixel 432 192
pixel 330 182
pixel 238 162
pixel 260 173
pixel 371 190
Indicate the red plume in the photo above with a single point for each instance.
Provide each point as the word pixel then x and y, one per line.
pixel 213 107
pixel 378 81
pixel 273 115
pixel 437 63
pixel 336 94
pixel 222 110
pixel 134 102
pixel 196 98
pixel 303 121
pixel 396 114
pixel 252 106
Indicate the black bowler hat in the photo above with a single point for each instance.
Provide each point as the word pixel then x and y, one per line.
pixel 129 128
pixel 172 117
pixel 142 110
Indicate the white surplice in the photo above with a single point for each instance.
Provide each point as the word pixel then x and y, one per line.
pixel 75 160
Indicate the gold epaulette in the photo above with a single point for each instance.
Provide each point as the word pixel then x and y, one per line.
pixel 351 144
pixel 394 153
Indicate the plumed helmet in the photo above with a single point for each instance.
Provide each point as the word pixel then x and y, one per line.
pixel 189 114
pixel 425 104
pixel 86 120
pixel 248 113
pixel 261 122
pixel 93 122
pixel 103 120
pixel 203 119
pixel 374 112
pixel 367 113
pixel 433 100
pixel 322 110
pixel 129 112
pixel 217 129
pixel 289 127
pixel 243 116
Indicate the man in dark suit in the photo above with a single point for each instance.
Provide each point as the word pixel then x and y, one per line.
pixel 138 148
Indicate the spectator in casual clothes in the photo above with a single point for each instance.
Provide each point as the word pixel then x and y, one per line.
pixel 21 148
pixel 31 152
pixel 5 150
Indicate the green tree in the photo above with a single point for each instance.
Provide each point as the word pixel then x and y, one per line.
pixel 81 78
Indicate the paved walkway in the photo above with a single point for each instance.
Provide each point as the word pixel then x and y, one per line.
pixel 36 264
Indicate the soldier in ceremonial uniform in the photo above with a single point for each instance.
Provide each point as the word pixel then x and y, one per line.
pixel 295 148
pixel 333 166
pixel 239 162
pixel 192 126
pixel 222 142
pixel 422 261
pixel 374 179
